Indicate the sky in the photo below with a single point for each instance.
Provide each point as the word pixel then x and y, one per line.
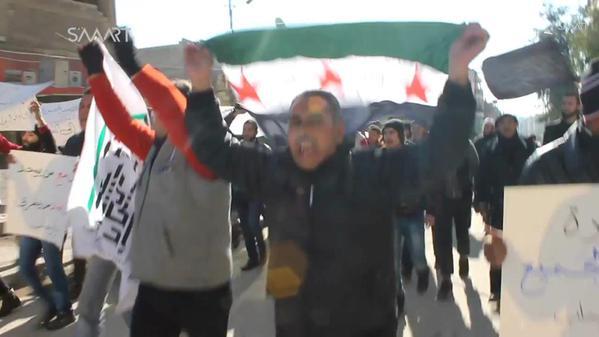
pixel 511 23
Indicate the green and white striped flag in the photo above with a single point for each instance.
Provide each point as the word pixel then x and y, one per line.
pixel 102 198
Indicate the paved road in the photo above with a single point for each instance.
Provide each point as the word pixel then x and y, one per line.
pixel 252 314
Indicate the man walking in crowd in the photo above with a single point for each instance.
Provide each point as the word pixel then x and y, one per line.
pixel 408 224
pixel 100 273
pixel 58 312
pixel 250 210
pixel 331 268
pixel 181 248
pixel 73 148
pixel 570 114
pixel 572 159
pixel 454 210
pixel 501 164
pixel 488 133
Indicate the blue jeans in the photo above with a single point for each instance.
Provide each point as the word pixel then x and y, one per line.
pixel 409 231
pixel 30 250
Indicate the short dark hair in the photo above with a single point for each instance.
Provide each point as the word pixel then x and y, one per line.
pixel 249 121
pixel 332 102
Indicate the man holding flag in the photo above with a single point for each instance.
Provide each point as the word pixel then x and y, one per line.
pixel 331 268
pixel 181 248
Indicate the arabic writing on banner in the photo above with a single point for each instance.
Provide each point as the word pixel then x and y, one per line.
pixel 14 105
pixel 38 189
pixel 551 273
pixel 62 119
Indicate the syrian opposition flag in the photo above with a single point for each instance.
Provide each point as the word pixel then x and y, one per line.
pixel 102 199
pixel 400 66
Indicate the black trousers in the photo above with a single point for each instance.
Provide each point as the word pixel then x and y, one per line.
pixel 249 218
pixel 495 278
pixel 452 212
pixel 166 313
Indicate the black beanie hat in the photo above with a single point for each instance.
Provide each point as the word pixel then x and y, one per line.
pixel 398 126
pixel 589 93
pixel 504 116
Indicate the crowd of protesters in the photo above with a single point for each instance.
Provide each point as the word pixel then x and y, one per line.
pixel 328 275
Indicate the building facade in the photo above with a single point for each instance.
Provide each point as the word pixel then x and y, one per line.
pixel 39 38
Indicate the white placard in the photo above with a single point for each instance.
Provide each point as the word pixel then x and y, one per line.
pixel 62 119
pixel 551 274
pixel 38 190
pixel 14 105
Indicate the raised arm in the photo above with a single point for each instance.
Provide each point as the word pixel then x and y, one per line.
pixel 135 134
pixel 46 138
pixel 248 168
pixel 446 146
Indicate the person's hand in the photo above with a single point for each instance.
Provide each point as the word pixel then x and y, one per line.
pixel 472 42
pixel 92 58
pixel 34 108
pixel 124 50
pixel 239 110
pixel 199 62
pixel 495 248
pixel 429 220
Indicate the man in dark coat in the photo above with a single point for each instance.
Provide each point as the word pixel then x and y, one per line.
pixel 73 148
pixel 570 114
pixel 575 157
pixel 501 164
pixel 331 267
pixel 502 160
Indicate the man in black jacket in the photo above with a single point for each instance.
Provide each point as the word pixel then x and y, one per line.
pixel 575 157
pixel 73 148
pixel 570 114
pixel 487 134
pixel 331 267
pixel 501 164
pixel 454 207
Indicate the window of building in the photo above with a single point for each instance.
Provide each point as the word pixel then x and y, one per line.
pixel 13 75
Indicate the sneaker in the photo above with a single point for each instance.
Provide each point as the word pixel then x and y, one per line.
pixel 464 267
pixel 406 275
pixel 62 319
pixel 251 265
pixel 401 302
pixel 423 280
pixel 48 316
pixel 10 302
pixel 445 290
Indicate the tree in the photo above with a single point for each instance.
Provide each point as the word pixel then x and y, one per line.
pixel 578 38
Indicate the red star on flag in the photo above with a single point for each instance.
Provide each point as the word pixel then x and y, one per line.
pixel 330 78
pixel 246 90
pixel 416 88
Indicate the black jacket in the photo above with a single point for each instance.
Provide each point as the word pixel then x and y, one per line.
pixel 555 130
pixel 501 163
pixel 568 160
pixel 481 142
pixel 338 218
pixel 74 145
